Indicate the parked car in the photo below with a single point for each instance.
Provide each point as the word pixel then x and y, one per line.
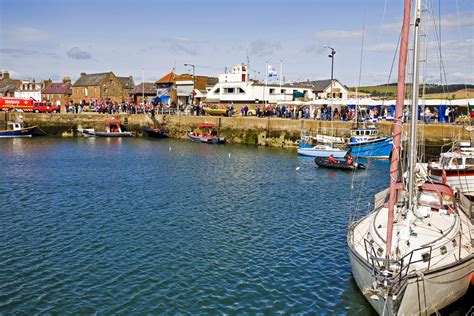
pixel 45 107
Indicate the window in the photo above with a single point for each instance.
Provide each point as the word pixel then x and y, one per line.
pixel 457 161
pixel 272 91
pixel 241 90
pixel 469 161
pixel 283 91
pixel 229 90
pixel 217 91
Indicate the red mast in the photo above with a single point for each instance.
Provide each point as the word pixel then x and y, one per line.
pixel 397 124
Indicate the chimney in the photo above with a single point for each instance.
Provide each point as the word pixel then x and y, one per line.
pixel 6 75
pixel 83 74
pixel 66 80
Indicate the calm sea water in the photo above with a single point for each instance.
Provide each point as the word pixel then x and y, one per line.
pixel 135 226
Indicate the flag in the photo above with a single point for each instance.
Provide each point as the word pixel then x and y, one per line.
pixel 272 71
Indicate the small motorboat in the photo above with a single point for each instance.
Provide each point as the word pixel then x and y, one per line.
pixel 323 151
pixel 211 137
pixel 338 164
pixel 16 129
pixel 113 129
pixel 155 132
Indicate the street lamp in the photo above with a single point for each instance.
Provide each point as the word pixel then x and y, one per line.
pixel 194 82
pixel 331 55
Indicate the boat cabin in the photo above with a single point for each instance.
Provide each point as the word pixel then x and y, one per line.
pixel 461 157
pixel 364 134
pixel 14 126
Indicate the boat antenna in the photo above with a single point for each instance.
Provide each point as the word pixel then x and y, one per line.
pixel 414 111
pixel 397 124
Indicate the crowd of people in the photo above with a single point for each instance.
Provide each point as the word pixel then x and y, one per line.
pixel 325 112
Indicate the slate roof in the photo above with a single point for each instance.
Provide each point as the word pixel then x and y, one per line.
pixel 127 82
pixel 317 85
pixel 8 89
pixel 58 88
pixel 4 82
pixel 149 88
pixel 90 79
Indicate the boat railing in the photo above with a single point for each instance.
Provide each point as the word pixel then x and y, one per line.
pixel 388 272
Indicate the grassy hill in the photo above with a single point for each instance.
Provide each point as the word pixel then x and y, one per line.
pixel 451 92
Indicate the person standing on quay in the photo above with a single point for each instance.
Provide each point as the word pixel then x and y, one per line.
pixel 447 115
pixel 427 115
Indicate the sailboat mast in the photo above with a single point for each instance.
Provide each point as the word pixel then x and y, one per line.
pixel 397 124
pixel 414 111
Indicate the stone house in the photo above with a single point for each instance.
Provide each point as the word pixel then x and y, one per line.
pixel 136 95
pixel 8 86
pixel 128 85
pixel 58 93
pixel 101 87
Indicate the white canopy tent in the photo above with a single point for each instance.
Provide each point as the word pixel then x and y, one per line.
pixel 371 102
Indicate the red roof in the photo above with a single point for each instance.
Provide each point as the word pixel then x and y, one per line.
pixel 58 88
pixel 169 77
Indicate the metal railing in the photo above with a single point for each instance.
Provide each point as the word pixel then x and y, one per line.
pixel 389 272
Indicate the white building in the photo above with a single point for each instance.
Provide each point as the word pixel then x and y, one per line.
pixel 235 87
pixel 31 89
pixel 323 89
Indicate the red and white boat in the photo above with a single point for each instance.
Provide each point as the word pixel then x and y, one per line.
pixel 209 137
pixel 455 168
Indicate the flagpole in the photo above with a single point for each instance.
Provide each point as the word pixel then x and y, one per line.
pixel 265 88
pixel 281 75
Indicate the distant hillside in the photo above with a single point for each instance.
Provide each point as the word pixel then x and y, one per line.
pixel 432 91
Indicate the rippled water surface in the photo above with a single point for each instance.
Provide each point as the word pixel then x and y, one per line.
pixel 138 226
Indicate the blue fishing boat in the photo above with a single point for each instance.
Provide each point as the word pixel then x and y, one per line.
pixel 373 148
pixel 365 142
pixel 16 129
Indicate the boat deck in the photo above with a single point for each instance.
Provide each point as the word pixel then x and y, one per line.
pixel 437 233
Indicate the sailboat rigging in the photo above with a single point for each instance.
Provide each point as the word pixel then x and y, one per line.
pixel 412 254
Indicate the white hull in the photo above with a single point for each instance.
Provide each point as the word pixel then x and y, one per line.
pixel 423 287
pixel 322 151
pixel 422 295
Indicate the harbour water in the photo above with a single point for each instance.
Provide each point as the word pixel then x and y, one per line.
pixel 139 226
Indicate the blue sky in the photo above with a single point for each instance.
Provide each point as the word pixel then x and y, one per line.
pixel 53 38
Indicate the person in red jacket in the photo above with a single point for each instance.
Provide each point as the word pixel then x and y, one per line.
pixel 331 159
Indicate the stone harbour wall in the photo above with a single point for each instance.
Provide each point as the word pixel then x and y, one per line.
pixel 274 132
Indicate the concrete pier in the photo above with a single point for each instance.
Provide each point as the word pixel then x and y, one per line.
pixel 275 132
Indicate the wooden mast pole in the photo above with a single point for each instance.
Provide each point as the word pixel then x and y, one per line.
pixel 398 124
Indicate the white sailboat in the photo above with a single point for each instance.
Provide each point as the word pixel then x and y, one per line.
pixel 413 253
pixel 456 168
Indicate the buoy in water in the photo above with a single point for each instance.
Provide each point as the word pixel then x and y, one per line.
pixel 297 168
